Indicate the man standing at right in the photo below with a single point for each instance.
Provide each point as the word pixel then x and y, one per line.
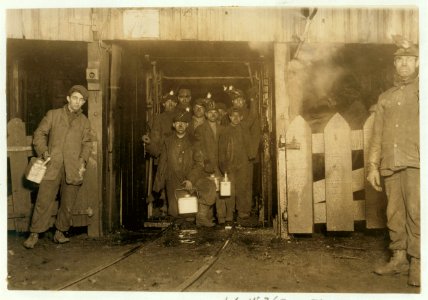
pixel 394 155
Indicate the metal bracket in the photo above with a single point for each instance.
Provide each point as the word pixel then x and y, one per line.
pixel 294 145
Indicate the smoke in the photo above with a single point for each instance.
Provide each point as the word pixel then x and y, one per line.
pixel 260 47
pixel 319 84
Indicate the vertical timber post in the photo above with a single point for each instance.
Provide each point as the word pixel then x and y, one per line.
pixel 281 54
pixel 97 75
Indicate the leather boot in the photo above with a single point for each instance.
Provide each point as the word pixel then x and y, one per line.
pixel 398 264
pixel 414 272
pixel 202 216
pixel 31 240
pixel 59 238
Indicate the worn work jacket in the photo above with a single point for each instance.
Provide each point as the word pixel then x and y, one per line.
pixel 395 139
pixel 175 161
pixel 68 143
pixel 161 129
pixel 234 150
pixel 251 121
pixel 207 142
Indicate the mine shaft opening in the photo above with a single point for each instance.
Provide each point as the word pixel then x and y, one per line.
pixel 203 67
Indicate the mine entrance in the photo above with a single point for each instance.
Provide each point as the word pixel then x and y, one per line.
pixel 151 69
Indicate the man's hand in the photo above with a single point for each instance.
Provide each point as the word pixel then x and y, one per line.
pixel 187 185
pixel 146 139
pixel 82 168
pixel 46 155
pixel 374 178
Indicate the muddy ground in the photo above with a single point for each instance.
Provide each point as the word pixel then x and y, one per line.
pixel 252 260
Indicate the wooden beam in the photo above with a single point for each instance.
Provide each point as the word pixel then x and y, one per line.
pixel 281 56
pixel 98 59
pixel 299 177
pixel 112 180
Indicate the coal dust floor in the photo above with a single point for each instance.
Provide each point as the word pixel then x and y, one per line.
pixel 210 260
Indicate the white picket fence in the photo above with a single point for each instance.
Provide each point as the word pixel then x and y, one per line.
pixel 330 200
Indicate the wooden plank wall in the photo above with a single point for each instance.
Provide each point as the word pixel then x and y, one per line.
pixel 344 25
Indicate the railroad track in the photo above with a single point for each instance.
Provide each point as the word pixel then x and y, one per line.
pixel 191 280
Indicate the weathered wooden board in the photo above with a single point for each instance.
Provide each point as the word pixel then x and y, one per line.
pixel 357 185
pixel 279 24
pixel 21 200
pixel 338 175
pixel 189 23
pixel 358 211
pixel 318 141
pixel 299 177
pixel 375 201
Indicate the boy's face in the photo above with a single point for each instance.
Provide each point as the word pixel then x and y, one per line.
pixel 169 105
pixel 235 118
pixel 238 102
pixel 184 96
pixel 180 127
pixel 75 101
pixel 198 110
pixel 212 115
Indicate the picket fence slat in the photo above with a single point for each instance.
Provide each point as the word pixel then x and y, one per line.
pixel 338 175
pixel 357 141
pixel 299 177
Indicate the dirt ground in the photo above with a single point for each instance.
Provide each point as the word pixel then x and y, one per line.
pixel 240 260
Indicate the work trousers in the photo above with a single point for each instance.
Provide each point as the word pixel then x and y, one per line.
pixel 225 207
pixel 45 204
pixel 403 210
pixel 241 189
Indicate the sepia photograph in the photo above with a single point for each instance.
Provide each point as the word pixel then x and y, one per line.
pixel 209 149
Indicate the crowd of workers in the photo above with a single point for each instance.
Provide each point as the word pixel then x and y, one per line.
pixel 197 144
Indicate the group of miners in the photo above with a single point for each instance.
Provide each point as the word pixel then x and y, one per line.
pixel 198 143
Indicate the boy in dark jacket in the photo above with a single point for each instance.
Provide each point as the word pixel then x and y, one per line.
pixel 235 160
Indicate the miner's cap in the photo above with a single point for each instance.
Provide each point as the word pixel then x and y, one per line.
pixel 407 48
pixel 211 105
pixel 169 96
pixel 182 116
pixel 80 89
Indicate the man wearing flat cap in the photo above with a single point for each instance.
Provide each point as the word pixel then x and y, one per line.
pixel 394 156
pixel 64 136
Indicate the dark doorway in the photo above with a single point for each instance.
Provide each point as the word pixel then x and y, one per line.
pixel 151 69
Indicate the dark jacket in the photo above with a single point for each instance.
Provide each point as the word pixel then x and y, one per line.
pixel 395 140
pixel 234 150
pixel 68 143
pixel 207 142
pixel 161 129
